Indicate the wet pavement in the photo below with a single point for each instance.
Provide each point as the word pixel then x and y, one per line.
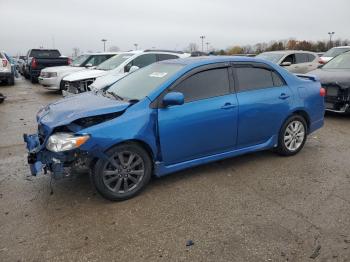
pixel 257 207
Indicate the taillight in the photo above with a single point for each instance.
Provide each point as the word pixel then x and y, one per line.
pixel 4 62
pixel 323 91
pixel 321 62
pixel 34 63
pixel 69 61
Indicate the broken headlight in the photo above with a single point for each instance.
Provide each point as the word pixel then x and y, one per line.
pixel 60 142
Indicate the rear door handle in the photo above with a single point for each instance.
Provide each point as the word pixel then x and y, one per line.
pixel 228 106
pixel 283 96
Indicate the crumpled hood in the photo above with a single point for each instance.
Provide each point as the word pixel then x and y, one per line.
pixel 85 74
pixel 340 77
pixel 67 110
pixel 106 80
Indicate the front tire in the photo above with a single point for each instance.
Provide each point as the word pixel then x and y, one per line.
pixel 125 174
pixel 292 136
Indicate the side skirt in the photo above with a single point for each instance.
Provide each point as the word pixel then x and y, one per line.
pixel 160 169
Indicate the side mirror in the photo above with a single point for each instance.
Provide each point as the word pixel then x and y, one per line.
pixel 133 69
pixel 173 99
pixel 88 65
pixel 286 64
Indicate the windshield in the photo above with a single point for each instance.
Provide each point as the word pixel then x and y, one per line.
pixel 80 60
pixel 114 61
pixel 272 57
pixel 140 83
pixel 336 51
pixel 339 62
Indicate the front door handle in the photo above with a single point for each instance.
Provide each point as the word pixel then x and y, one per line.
pixel 228 106
pixel 283 96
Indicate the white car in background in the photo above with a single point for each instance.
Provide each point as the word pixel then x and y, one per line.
pixel 295 61
pixel 115 68
pixel 333 52
pixel 51 77
pixel 7 69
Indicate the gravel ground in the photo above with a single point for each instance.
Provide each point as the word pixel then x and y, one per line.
pixel 257 207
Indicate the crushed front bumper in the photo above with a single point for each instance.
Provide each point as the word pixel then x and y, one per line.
pixel 40 159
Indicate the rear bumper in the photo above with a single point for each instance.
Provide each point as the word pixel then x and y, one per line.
pixel 6 75
pixel 342 110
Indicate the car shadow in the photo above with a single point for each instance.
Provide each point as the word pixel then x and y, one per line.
pixel 337 116
pixel 79 186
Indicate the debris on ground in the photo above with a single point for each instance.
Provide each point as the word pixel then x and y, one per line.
pixel 316 252
pixel 189 243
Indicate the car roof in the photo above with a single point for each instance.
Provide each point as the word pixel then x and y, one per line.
pixel 103 53
pixel 344 46
pixel 289 52
pixel 202 60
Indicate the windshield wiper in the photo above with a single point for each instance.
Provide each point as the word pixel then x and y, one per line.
pixel 115 95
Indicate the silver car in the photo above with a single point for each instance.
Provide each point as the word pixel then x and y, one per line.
pixel 294 61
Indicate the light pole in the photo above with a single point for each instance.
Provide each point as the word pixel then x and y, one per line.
pixel 135 46
pixel 330 38
pixel 207 43
pixel 104 44
pixel 202 37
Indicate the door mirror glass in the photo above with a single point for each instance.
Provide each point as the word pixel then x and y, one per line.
pixel 133 69
pixel 173 98
pixel 286 64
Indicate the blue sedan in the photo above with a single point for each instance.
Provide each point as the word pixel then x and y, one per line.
pixel 174 115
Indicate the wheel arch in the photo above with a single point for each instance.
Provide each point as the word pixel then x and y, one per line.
pixel 304 114
pixel 138 142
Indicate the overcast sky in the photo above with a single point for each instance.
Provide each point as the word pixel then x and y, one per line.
pixel 168 24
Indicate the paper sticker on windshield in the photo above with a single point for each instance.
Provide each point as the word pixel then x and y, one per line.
pixel 158 74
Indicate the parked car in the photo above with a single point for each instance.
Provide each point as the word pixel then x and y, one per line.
pixel 7 69
pixel 173 115
pixel 51 77
pixel 333 52
pixel 335 78
pixel 38 59
pixel 294 61
pixel 115 68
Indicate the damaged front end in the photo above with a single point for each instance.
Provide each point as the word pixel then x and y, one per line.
pixel 56 147
pixel 44 156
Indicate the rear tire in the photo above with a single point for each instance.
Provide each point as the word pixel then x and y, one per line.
pixel 11 80
pixel 127 176
pixel 292 136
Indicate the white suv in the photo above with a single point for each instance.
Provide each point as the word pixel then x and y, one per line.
pixel 51 77
pixel 6 69
pixel 113 69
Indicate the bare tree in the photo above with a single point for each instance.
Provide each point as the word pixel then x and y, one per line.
pixel 192 47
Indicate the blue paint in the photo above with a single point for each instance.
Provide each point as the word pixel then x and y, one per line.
pixel 184 135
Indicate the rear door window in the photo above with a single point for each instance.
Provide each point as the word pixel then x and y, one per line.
pixel 301 58
pixel 252 78
pixel 205 84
